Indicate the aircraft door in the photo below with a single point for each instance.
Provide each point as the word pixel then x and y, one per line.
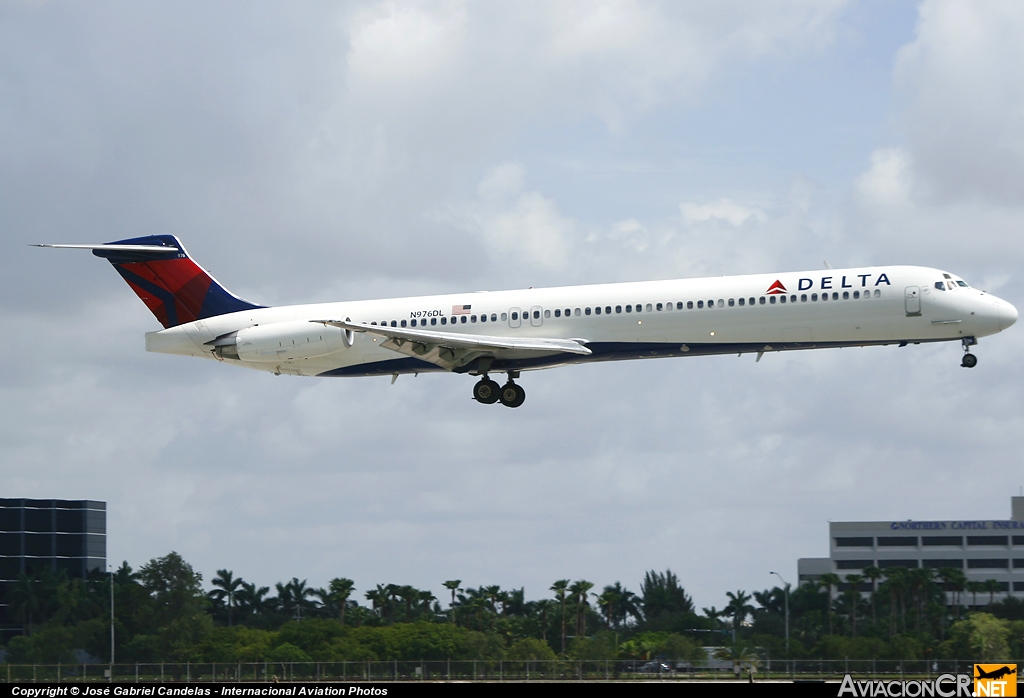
pixel 912 299
pixel 536 316
pixel 513 317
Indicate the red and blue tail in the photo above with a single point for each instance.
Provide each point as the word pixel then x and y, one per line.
pixel 171 284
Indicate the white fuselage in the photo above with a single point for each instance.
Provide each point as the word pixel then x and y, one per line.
pixel 684 317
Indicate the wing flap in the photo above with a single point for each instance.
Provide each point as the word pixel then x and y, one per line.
pixel 453 349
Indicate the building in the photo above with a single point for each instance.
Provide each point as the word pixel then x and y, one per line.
pixel 50 534
pixel 984 549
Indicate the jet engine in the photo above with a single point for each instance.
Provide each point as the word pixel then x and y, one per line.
pixel 282 341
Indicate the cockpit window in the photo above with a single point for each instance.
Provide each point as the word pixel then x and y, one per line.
pixel 940 286
pixel 946 276
pixel 962 283
pixel 950 285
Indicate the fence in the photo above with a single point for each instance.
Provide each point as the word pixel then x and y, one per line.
pixel 478 670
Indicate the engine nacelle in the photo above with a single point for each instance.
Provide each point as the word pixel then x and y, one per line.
pixel 282 341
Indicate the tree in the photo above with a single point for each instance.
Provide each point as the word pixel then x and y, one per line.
pixel 991 586
pixel 853 582
pixel 174 586
pixel 873 574
pixel 24 600
pixel 560 588
pixel 227 588
pixel 829 580
pixel 661 593
pixel 738 608
pixel 453 586
pixel 340 589
pixel 252 599
pixel 580 590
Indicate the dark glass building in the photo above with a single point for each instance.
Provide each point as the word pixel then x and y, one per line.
pixel 50 534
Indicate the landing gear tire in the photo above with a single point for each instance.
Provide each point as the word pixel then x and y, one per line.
pixel 486 391
pixel 512 395
pixel 969 361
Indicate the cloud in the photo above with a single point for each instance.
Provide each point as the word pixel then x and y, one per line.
pixel 723 209
pixel 515 225
pixel 962 104
pixel 888 181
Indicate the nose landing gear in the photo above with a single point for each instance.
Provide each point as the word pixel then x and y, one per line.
pixel 969 360
pixel 511 394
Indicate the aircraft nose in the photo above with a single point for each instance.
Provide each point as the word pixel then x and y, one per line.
pixel 1007 315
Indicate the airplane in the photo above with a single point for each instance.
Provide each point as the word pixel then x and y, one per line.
pixel 488 332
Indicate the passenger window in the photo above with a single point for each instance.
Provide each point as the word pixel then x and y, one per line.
pixel 629 308
pixel 536 315
pixel 597 310
pixel 567 313
pixel 659 307
pixel 444 321
pixel 742 301
pixel 803 297
pixel 463 319
pixel 639 308
pixel 732 302
pixel 547 313
pixel 700 304
pixel 835 295
pixel 515 316
pixel 679 305
pixel 750 301
pixel 395 324
pixel 607 310
pixel 576 312
pixel 558 312
pixel 762 300
pixel 814 296
pixel 721 303
pixel 878 293
pixel 792 299
pixel 413 323
pixel 374 322
pixel 782 299
pixel 689 305
pixel 494 317
pixel 483 318
pixel 648 308
pixel 433 321
pixel 771 299
pixel 586 311
pixel 846 295
pixel 504 317
pixel 473 318
pixel 618 309
pixel 403 323
pixel 856 295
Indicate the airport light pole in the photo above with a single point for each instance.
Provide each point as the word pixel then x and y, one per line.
pixel 111 568
pixel 786 587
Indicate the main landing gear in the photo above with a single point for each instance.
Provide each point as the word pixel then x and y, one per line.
pixel 511 394
pixel 969 360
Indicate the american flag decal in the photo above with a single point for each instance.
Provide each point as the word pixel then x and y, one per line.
pixel 461 309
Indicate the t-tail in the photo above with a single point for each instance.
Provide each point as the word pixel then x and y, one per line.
pixel 169 282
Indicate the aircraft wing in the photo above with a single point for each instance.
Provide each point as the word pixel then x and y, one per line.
pixel 450 350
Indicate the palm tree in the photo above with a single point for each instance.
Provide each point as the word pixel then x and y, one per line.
pixel 580 591
pixel 873 574
pixel 991 586
pixel 559 588
pixel 250 598
pixel 829 580
pixel 426 598
pixel 609 600
pixel 340 588
pixel 973 588
pixel 957 580
pixel 227 587
pixel 377 597
pixel 24 600
pixel 739 608
pixel 853 593
pixel 453 586
pixel 739 654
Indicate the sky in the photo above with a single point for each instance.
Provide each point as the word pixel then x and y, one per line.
pixel 323 151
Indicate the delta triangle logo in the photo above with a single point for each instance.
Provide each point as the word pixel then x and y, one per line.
pixel 776 288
